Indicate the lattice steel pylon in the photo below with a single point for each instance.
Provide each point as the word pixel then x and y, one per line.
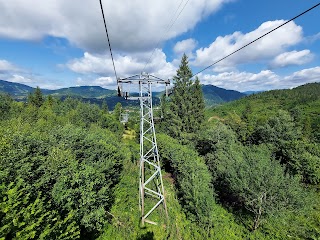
pixel 150 180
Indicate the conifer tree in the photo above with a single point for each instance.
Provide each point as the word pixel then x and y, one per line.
pixel 185 111
pixel 36 98
pixel 181 105
pixel 104 107
pixel 197 105
pixel 50 100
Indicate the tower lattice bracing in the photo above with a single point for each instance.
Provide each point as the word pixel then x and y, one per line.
pixel 151 190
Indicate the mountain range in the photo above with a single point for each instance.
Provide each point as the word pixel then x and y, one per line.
pixel 212 95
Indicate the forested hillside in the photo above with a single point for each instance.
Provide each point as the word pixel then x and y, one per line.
pixel 215 96
pixel 15 89
pixel 249 169
pixel 21 91
pixel 302 103
pixel 66 174
pixel 263 160
pixel 60 162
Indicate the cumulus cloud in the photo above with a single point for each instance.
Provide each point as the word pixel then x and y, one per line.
pixel 241 81
pixel 125 65
pixel 12 73
pixel 185 46
pixel 90 63
pixel 6 66
pixel 105 82
pixel 131 27
pixel 20 79
pixel 292 58
pixel 263 49
pixel 264 80
pixel 308 75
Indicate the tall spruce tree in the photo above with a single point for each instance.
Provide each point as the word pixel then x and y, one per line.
pixel 185 111
pixel 181 105
pixel 197 105
pixel 36 98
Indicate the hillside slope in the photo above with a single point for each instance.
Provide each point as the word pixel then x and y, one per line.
pixel 84 92
pixel 214 95
pixel 302 102
pixel 16 90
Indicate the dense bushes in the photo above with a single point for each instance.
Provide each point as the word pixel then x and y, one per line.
pixel 248 177
pixel 260 161
pixel 243 175
pixel 299 155
pixel 192 177
pixel 195 192
pixel 262 177
pixel 5 106
pixel 58 170
pixel 29 215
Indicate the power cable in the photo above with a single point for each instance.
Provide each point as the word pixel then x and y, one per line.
pixel 105 26
pixel 168 29
pixel 257 39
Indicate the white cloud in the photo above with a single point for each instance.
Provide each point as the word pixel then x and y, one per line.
pixel 105 82
pixel 90 63
pixel 312 39
pixel 97 69
pixel 12 73
pixel 6 66
pixel 131 26
pixel 241 81
pixel 292 58
pixel 185 46
pixel 263 49
pixel 264 80
pixel 125 65
pixel 308 75
pixel 20 79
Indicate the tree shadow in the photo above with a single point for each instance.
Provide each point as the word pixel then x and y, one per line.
pixel 146 236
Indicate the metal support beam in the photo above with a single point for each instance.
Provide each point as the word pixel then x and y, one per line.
pixel 151 190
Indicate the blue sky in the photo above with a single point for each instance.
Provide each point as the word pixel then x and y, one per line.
pixel 58 43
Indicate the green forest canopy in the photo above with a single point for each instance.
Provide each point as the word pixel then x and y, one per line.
pixel 250 172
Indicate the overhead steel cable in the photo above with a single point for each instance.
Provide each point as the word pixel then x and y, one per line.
pixel 257 39
pixel 168 29
pixel 105 26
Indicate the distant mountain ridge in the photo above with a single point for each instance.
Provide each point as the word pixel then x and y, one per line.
pixel 84 91
pixel 15 89
pixel 212 95
pixel 20 91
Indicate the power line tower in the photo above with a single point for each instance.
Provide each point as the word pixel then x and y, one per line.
pixel 151 190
